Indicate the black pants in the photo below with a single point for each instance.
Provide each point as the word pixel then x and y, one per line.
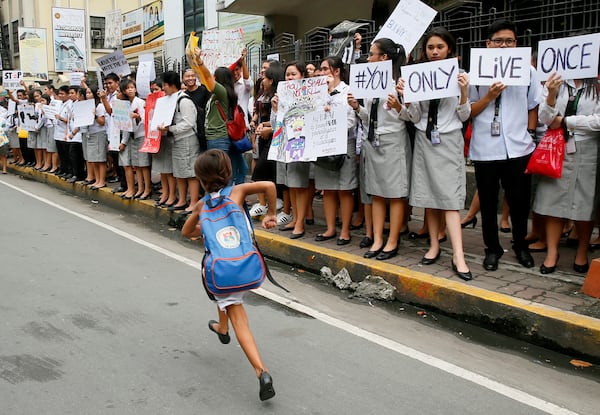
pixel 63 154
pixel 28 153
pixel 517 188
pixel 120 171
pixel 75 154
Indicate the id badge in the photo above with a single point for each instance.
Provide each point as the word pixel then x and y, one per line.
pixel 376 141
pixel 571 147
pixel 435 137
pixel 495 128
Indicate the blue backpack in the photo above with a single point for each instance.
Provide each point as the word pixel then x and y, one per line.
pixel 232 261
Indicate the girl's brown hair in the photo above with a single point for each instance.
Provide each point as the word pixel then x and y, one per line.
pixel 213 169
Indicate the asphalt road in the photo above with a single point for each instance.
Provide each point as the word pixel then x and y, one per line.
pixel 105 314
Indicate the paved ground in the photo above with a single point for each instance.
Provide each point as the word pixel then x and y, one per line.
pixel 548 309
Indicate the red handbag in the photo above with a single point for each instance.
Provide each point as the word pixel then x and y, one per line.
pixel 547 158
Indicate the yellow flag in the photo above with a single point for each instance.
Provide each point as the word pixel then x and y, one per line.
pixel 192 44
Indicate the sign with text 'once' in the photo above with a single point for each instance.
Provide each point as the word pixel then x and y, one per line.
pixel 431 80
pixel 572 57
pixel 511 66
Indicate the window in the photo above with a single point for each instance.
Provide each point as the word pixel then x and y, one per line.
pixel 97 27
pixel 5 46
pixel 193 20
pixel 15 36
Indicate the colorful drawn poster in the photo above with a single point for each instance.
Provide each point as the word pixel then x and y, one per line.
pixel 32 53
pixel 121 117
pixel 221 47
pixel 152 138
pixel 299 129
pixel 68 27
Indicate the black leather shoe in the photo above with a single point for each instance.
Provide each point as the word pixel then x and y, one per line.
pixel 385 255
pixel 490 263
pixel 414 235
pixel 365 242
pixel 266 386
pixel 320 237
pixel 465 276
pixel 524 258
pixel 582 269
pixel 118 189
pixel 430 261
pixel 175 208
pixel 72 180
pixel 296 235
pixel 547 270
pixel 342 241
pixel 224 338
pixel 373 254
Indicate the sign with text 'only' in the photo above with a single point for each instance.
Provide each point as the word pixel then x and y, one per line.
pixel 431 80
pixel 511 66
pixel 572 57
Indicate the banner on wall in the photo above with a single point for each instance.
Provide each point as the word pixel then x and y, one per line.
pixel 32 53
pixel 143 29
pixel 68 28
pixel 112 29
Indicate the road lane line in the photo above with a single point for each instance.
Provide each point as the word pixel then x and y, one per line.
pixel 505 390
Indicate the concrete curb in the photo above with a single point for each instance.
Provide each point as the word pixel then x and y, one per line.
pixel 534 322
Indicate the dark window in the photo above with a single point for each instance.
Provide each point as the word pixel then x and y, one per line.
pixel 15 36
pixel 193 20
pixel 97 26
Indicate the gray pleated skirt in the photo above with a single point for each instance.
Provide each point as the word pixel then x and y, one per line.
pixel 32 139
pixel 298 174
pixel 84 146
pixel 162 162
pixel 97 146
pixel 281 173
pixel 138 158
pixel 185 151
pixel 573 195
pixel 43 138
pixel 51 144
pixel 344 179
pixel 438 178
pixel 387 167
pixel 13 139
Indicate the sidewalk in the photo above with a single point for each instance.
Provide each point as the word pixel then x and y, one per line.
pixel 545 309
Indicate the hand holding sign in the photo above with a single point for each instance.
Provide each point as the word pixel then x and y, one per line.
pixel 553 84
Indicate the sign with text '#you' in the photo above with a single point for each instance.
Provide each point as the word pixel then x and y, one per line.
pixel 511 66
pixel 372 80
pixel 572 57
pixel 431 80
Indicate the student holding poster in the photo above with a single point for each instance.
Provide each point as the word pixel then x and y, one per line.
pixel 97 142
pixel 386 155
pixel 438 168
pixel 504 120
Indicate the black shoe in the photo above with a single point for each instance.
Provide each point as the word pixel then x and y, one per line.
pixel 342 241
pixel 224 338
pixel 465 276
pixel 414 235
pixel 373 254
pixel 365 242
pixel 118 189
pixel 296 235
pixel 505 230
pixel 441 240
pixel 548 270
pixel 490 263
pixel 385 255
pixel 309 221
pixel 406 231
pixel 430 261
pixel 286 228
pixel 113 179
pixel 524 258
pixel 175 208
pixel 469 223
pixel 266 386
pixel 87 182
pixel 73 179
pixel 124 196
pixel 582 269
pixel 356 227
pixel 320 237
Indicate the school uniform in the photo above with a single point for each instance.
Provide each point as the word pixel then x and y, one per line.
pixel 185 147
pixel 96 138
pixel 60 135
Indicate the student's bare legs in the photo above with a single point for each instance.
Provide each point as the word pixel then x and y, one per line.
pixel 397 209
pixel 99 174
pixel 346 207
pixel 433 218
pixel 3 162
pixel 130 179
pixel 455 232
pixel 330 206
pixel 146 186
pixel 89 167
pixel 194 190
pixel 170 188
pixel 182 186
pixel 39 158
pixel 239 320
pixel 584 230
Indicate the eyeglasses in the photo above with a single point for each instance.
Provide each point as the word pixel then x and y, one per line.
pixel 375 53
pixel 500 41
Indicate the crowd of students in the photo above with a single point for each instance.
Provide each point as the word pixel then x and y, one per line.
pixel 399 156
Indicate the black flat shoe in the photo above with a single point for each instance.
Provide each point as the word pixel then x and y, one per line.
pixel 548 270
pixel 309 221
pixel 373 254
pixel 385 255
pixel 342 241
pixel 224 338
pixel 118 189
pixel 406 231
pixel 430 261
pixel 441 240
pixel 490 262
pixel 465 276
pixel 582 269
pixel 505 230
pixel 320 237
pixel 414 235
pixel 145 197
pixel 88 182
pixel 266 386
pixel 175 208
pixel 356 227
pixel 471 222
pixel 296 235
pixel 98 187
pixel 123 196
pixel 365 242
pixel 286 228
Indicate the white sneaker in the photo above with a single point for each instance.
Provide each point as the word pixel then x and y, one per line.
pixel 279 204
pixel 258 210
pixel 283 218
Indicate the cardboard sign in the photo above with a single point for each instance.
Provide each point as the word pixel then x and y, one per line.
pixel 372 80
pixel 145 73
pixel 84 113
pixel 121 117
pixel 407 23
pixel 75 78
pixel 571 57
pixel 11 80
pixel 164 111
pixel 221 47
pixel 152 137
pixel 431 80
pixel 511 66
pixel 114 62
pixel 28 117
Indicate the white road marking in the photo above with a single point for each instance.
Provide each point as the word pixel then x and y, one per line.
pixel 505 390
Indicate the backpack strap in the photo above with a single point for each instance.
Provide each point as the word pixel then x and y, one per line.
pixel 181 97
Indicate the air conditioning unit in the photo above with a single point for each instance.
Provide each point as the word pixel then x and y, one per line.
pixel 96 34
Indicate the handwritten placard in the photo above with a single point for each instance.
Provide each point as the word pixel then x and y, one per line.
pixel 431 80
pixel 121 117
pixel 407 23
pixel 372 80
pixel 221 47
pixel 572 57
pixel 114 62
pixel 511 66
pixel 50 111
pixel 75 78
pixel 11 80
pixel 146 72
pixel 84 113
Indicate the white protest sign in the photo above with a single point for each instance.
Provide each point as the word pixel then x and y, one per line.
pixel 27 116
pixel 84 112
pixel 11 80
pixel 50 111
pixel 431 80
pixel 326 131
pixel 407 23
pixel 145 73
pixel 372 80
pixel 164 111
pixel 114 135
pixel 99 78
pixel 121 117
pixel 511 66
pixel 75 78
pixel 273 57
pixel 221 47
pixel 114 62
pixel 572 57
pixel 12 107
